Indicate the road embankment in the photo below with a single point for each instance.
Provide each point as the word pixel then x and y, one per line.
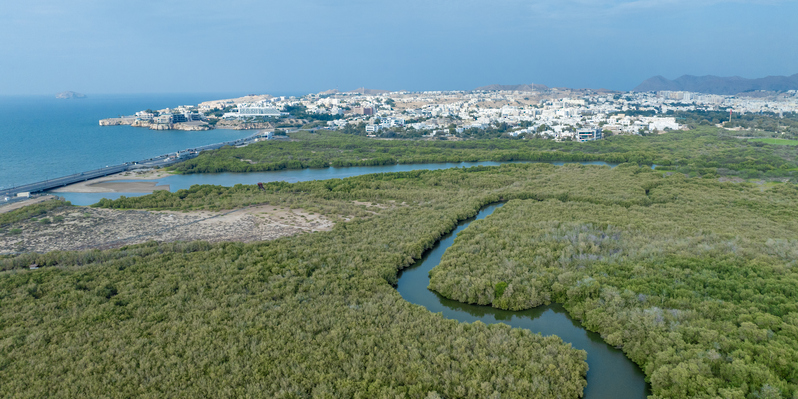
pixel 116 183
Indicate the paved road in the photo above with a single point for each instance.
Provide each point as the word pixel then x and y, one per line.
pixel 159 161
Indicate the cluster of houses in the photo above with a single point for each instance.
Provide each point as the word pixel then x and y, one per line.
pixel 558 114
pixel 168 116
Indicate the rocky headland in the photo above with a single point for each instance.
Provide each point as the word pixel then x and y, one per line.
pixel 190 126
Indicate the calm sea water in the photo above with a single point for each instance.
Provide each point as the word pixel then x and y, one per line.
pixel 42 137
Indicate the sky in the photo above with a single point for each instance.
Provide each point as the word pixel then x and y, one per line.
pixel 303 46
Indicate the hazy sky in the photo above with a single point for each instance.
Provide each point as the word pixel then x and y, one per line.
pixel 112 46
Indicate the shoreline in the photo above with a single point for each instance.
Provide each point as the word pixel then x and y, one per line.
pixel 110 183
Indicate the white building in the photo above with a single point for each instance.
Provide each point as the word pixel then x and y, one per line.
pixel 144 116
pixel 163 119
pixel 662 123
pixel 247 110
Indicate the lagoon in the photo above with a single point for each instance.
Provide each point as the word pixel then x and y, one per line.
pixel 177 182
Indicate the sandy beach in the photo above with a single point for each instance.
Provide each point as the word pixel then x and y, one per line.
pixel 104 185
pixel 126 187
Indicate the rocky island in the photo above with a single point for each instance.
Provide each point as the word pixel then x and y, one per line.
pixel 68 95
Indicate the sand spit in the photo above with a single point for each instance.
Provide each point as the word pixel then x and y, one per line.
pixel 93 228
pixel 128 187
pixel 101 185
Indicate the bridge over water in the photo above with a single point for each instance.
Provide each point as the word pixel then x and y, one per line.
pixel 160 161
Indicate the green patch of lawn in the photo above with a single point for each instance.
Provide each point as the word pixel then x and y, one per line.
pixel 776 141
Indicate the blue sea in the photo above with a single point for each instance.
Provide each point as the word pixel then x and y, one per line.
pixel 42 137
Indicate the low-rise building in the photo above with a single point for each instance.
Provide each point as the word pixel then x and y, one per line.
pixel 179 118
pixel 583 135
pixel 246 110
pixel 144 115
pixel 163 119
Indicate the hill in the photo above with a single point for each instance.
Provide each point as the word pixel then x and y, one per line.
pixel 523 87
pixel 363 90
pixel 719 85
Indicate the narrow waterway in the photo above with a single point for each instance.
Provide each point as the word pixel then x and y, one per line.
pixel 177 182
pixel 611 374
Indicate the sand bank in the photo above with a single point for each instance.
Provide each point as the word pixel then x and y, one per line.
pixel 127 187
pixel 101 185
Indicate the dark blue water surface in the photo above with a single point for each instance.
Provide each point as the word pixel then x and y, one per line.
pixel 43 137
pixel 611 374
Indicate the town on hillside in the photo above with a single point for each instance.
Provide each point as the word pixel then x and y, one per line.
pixel 534 112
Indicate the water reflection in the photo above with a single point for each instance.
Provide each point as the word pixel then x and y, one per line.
pixel 611 374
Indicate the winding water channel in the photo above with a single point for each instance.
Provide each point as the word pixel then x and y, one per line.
pixel 611 374
pixel 177 182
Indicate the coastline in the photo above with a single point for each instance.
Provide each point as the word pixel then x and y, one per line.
pixel 110 183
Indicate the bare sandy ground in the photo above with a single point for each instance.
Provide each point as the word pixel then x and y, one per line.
pixel 101 185
pixel 88 228
pixel 128 187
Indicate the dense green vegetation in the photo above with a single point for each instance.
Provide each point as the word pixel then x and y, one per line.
pixel 697 284
pixel 314 315
pixel 695 279
pixel 492 131
pixel 208 197
pixel 30 211
pixel 701 152
pixel 301 112
pixel 776 141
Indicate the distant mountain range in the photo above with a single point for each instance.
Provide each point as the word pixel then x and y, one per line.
pixel 719 85
pixel 700 84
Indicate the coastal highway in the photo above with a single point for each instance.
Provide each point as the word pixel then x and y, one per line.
pixel 159 161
